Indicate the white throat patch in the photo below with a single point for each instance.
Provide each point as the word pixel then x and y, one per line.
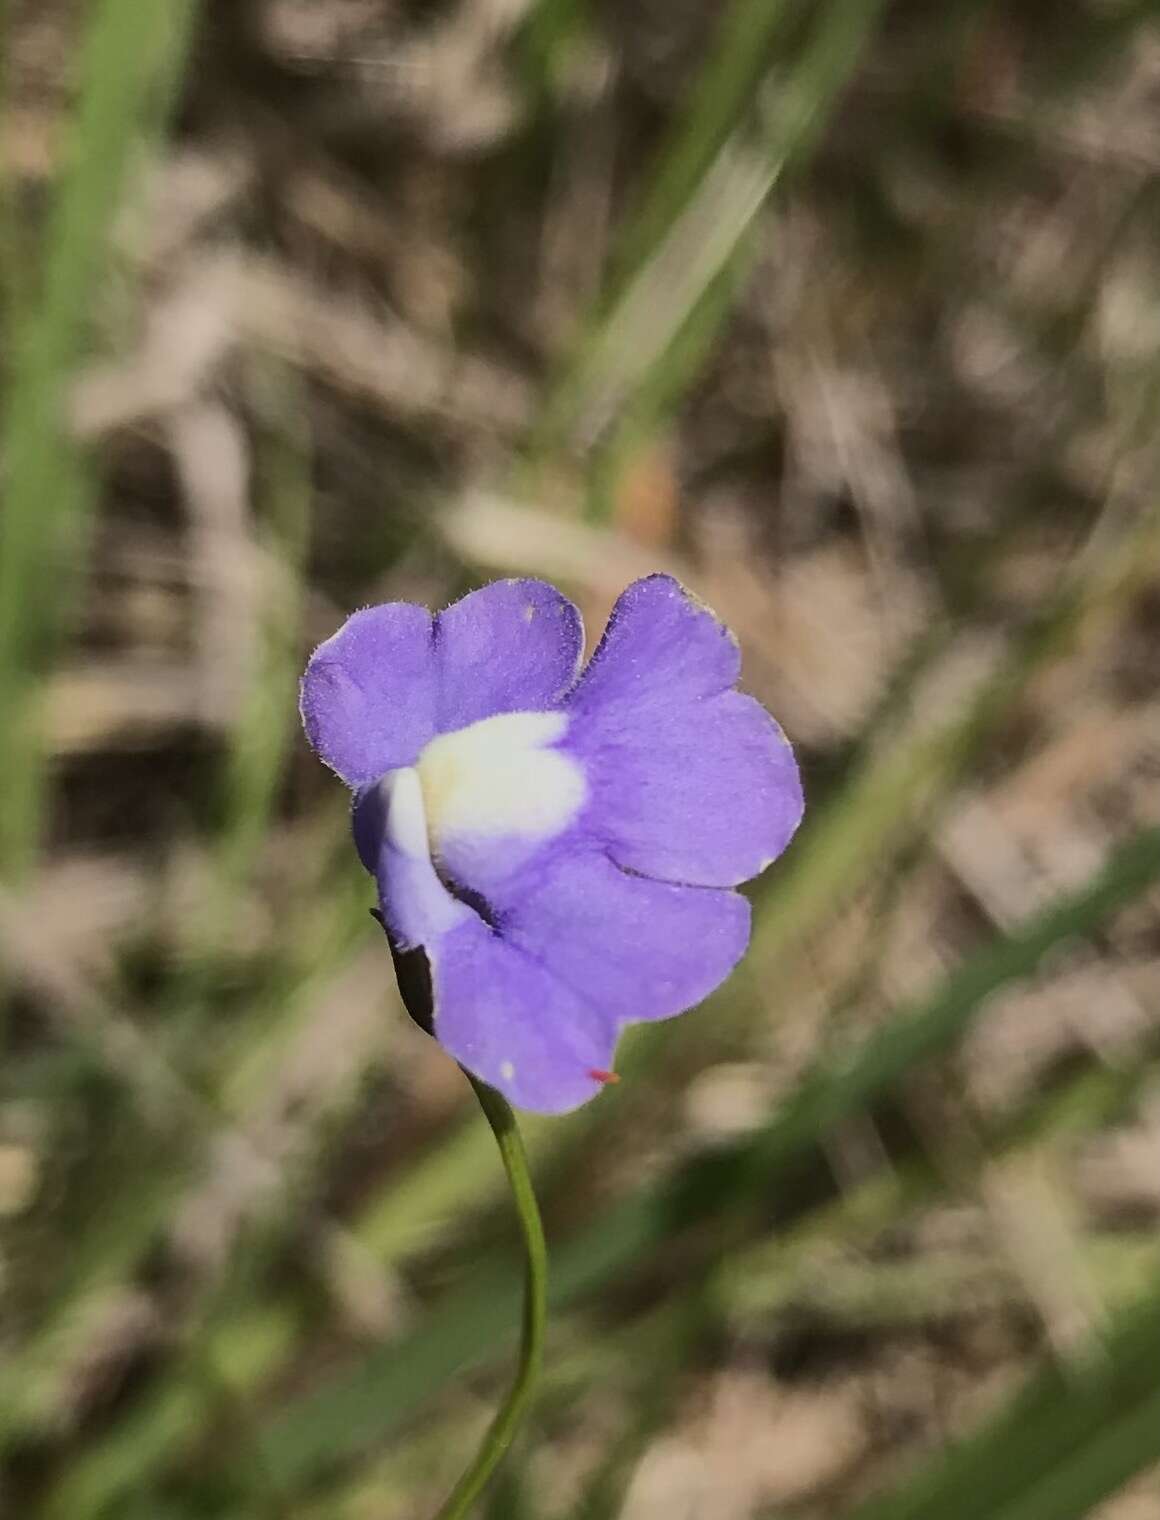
pixel 500 778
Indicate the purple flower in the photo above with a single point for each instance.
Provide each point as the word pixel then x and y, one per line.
pixel 559 846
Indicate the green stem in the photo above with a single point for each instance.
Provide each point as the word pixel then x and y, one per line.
pixel 507 1421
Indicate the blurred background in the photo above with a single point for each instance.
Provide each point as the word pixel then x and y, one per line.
pixel 846 312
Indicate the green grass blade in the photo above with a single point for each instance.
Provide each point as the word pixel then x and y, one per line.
pixel 724 90
pixel 1103 1464
pixel 635 336
pixel 132 55
pixel 1090 1424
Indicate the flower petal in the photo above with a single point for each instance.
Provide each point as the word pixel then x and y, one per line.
pixel 689 780
pixel 632 947
pixel 513 646
pixel 513 1024
pixel 369 693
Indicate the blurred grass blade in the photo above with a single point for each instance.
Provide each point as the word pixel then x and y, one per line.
pixel 724 89
pixel 13 252
pixel 1104 1463
pixel 1073 1435
pixel 700 242
pixel 550 29
pixel 267 720
pixel 132 55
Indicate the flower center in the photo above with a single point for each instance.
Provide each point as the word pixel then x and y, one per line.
pixel 499 778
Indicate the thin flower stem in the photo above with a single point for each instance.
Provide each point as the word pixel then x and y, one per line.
pixel 507 1421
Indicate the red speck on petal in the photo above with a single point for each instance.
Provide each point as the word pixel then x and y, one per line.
pixel 606 1077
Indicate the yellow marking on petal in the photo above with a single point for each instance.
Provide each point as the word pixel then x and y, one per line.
pixel 500 777
pixel 507 1070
